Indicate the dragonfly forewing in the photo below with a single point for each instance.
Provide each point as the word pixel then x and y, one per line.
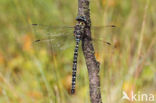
pixel 57 40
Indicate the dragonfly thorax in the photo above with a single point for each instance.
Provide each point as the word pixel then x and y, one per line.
pixel 79 30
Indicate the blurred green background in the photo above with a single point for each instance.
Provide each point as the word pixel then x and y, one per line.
pixel 36 74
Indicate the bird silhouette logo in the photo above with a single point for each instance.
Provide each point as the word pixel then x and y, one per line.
pixel 125 96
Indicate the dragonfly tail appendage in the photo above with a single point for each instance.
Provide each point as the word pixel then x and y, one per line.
pixel 74 68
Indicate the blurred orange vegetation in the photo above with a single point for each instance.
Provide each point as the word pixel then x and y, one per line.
pixel 103 2
pixel 35 94
pixel 27 42
pixel 1 58
pixel 110 3
pixel 67 82
pixel 116 43
pixel 99 57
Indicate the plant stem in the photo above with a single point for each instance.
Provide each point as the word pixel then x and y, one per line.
pixel 88 51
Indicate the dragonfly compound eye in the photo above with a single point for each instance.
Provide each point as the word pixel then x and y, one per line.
pixel 81 19
pixel 82 23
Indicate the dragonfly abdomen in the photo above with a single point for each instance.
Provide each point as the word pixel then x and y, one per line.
pixel 74 69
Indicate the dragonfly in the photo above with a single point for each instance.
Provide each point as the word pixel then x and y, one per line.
pixel 79 34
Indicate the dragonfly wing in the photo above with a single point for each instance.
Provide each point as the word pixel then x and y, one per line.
pixel 51 29
pixel 101 36
pixel 55 43
pixel 102 43
pixel 51 26
pixel 56 39
pixel 104 27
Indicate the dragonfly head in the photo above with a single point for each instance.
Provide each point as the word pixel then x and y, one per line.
pixel 81 20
